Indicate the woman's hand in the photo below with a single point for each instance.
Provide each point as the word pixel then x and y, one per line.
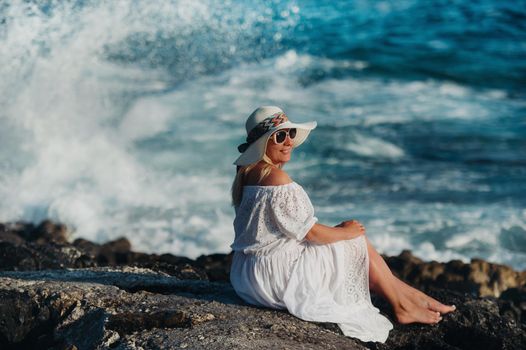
pixel 322 234
pixel 353 227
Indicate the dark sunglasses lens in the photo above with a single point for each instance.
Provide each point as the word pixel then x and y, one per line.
pixel 280 136
pixel 292 133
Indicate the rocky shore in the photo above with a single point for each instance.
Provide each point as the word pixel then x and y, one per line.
pixel 58 294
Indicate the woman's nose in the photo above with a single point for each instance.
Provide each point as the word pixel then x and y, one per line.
pixel 288 141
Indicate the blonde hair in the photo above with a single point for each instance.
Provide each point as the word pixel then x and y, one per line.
pixel 239 180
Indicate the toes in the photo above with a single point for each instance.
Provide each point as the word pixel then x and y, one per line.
pixel 418 314
pixel 431 317
pixel 447 308
pixel 443 309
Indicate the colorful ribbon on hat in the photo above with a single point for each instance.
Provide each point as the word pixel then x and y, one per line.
pixel 261 128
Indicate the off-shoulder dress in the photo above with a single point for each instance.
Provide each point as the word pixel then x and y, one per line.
pixel 275 266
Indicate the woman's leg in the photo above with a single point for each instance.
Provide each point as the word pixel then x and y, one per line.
pixel 416 295
pixel 409 306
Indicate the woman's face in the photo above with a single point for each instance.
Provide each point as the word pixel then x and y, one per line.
pixel 279 153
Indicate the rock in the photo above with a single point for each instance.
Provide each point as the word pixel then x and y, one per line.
pixel 56 308
pixel 133 322
pixel 84 333
pixel 114 252
pixel 217 266
pixel 48 232
pixel 180 267
pixel 53 293
pixel 133 307
pixel 118 252
pixel 477 324
pixel 14 256
pixel 513 303
pixel 479 277
pixel 10 237
pixel 34 256
pixel 89 248
pixel 21 229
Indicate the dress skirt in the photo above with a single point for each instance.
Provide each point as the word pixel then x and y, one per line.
pixel 321 283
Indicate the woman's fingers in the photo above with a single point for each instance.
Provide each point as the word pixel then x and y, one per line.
pixel 355 224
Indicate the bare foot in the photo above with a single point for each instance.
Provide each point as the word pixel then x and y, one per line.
pixel 423 299
pixel 408 312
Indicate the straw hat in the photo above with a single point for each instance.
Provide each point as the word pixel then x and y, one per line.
pixel 262 123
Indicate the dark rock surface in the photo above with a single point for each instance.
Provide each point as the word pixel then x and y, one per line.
pixel 479 277
pixel 82 295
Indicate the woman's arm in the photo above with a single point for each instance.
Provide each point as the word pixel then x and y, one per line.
pixel 323 234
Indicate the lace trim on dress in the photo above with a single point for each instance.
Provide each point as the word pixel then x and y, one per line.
pixel 357 278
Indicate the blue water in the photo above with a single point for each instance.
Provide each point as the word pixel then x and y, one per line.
pixel 122 118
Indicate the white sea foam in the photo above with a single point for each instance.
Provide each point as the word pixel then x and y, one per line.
pixel 146 118
pixel 427 251
pixel 66 115
pixel 290 62
pixel 368 146
pixel 389 243
pixel 485 235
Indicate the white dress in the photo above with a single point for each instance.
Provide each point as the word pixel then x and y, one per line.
pixel 274 266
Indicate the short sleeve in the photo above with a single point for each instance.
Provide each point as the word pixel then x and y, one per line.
pixel 292 212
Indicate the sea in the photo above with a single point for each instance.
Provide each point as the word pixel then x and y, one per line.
pixel 122 118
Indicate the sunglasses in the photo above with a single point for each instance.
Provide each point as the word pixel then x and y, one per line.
pixel 281 135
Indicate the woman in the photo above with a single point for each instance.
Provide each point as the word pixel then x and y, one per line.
pixel 284 259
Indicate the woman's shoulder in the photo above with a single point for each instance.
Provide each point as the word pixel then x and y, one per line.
pixel 276 177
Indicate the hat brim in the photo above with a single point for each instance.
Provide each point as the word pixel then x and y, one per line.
pixel 254 153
